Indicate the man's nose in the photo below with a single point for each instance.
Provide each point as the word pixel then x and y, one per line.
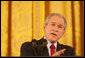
pixel 55 29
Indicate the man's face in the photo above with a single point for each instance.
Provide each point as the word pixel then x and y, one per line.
pixel 54 29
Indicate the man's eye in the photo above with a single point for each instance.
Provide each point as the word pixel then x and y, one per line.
pixel 53 24
pixel 60 26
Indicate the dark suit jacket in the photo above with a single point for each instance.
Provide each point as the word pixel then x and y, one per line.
pixel 39 48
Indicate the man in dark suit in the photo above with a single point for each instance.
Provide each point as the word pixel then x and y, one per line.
pixel 54 29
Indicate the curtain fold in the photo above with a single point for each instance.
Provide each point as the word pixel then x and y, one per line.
pixel 77 27
pixel 4 28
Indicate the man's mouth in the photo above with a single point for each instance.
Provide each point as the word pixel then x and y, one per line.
pixel 54 34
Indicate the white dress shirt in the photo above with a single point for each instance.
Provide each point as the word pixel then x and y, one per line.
pixel 48 46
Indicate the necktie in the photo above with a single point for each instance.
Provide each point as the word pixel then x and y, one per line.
pixel 52 49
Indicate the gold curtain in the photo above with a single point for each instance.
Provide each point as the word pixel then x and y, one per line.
pixel 23 21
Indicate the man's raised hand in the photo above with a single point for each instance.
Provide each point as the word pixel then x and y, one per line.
pixel 58 53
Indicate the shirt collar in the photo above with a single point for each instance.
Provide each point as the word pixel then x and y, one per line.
pixel 49 43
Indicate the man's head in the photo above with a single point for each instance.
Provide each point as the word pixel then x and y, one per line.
pixel 54 27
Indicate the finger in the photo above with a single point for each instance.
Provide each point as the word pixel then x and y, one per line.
pixel 58 53
pixel 62 50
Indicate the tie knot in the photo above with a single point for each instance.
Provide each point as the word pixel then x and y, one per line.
pixel 52 46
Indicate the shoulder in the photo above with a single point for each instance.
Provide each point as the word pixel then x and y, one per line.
pixel 34 43
pixel 64 46
pixel 29 44
pixel 27 49
pixel 26 45
pixel 68 48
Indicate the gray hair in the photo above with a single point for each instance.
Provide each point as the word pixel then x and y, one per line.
pixel 56 14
